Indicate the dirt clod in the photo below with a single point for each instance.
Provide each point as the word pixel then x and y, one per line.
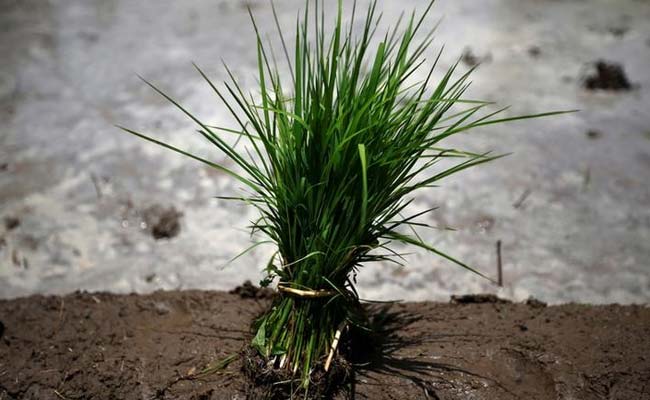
pixel 472 60
pixel 607 76
pixel 249 291
pixel 535 303
pixel 11 223
pixel 534 51
pixel 469 58
pixel 594 134
pixel 478 299
pixel 618 31
pixel 163 223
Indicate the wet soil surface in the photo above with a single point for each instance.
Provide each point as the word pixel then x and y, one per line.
pixel 105 346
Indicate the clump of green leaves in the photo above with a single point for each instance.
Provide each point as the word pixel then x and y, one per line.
pixel 334 155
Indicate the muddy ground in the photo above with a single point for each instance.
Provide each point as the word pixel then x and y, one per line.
pixel 106 346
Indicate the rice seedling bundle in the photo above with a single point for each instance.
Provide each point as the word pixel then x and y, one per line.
pixel 335 150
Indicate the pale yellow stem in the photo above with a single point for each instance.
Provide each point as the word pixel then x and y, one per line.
pixel 335 343
pixel 311 294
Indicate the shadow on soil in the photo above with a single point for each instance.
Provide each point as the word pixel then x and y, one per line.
pixel 376 352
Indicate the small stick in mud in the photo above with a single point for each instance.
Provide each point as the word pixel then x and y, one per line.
pixel 499 265
pixel 95 181
pixel 522 198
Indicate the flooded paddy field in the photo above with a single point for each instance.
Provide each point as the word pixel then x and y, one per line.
pixel 85 206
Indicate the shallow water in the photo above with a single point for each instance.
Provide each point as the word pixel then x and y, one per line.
pixel 571 210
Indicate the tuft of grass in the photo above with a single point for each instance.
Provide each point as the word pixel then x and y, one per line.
pixel 333 158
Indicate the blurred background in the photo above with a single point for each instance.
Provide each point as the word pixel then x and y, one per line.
pixel 85 206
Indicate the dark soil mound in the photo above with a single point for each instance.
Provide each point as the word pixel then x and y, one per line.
pixel 607 76
pixel 249 291
pixel 163 223
pixel 188 345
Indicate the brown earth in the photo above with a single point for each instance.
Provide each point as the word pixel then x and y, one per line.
pixel 105 346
